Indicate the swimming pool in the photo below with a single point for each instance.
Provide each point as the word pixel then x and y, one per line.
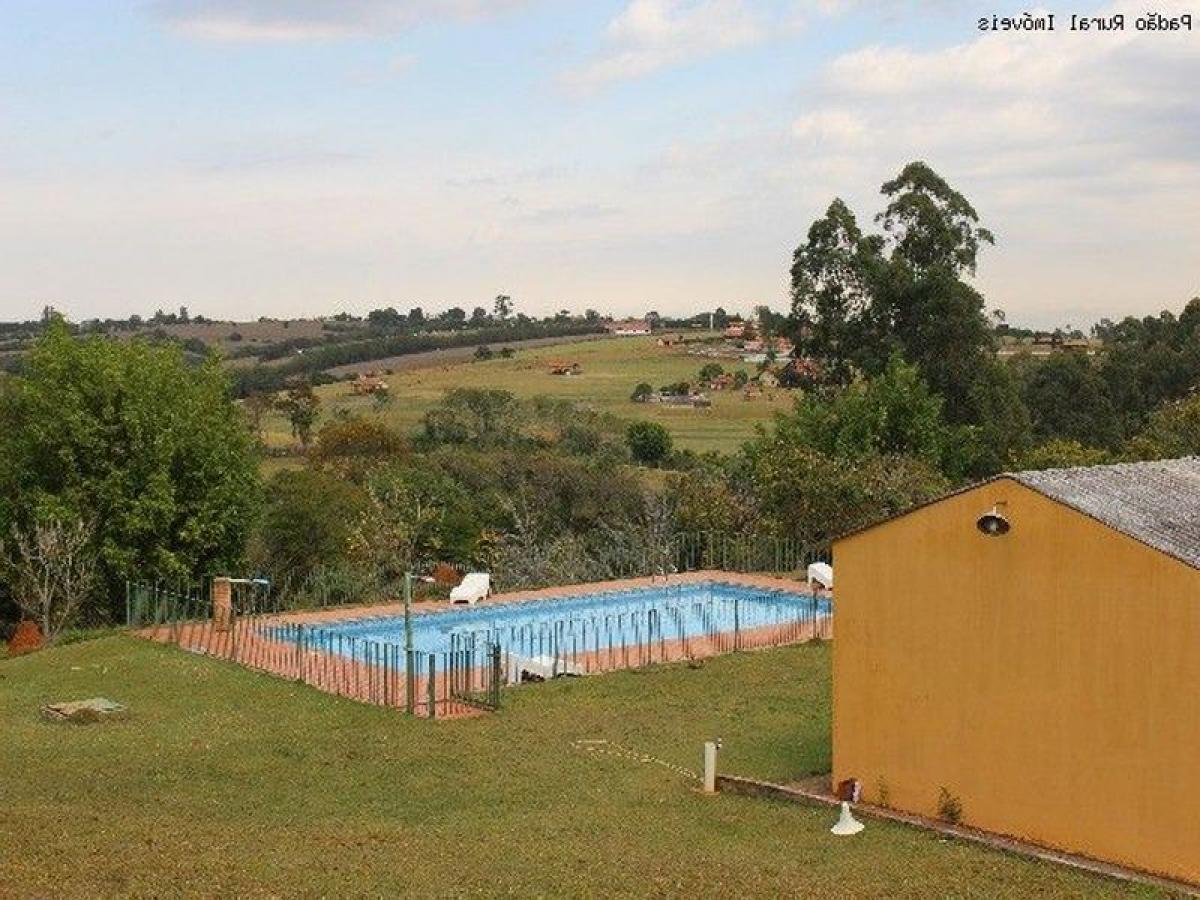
pixel 664 621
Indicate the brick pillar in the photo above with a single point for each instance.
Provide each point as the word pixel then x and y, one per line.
pixel 222 604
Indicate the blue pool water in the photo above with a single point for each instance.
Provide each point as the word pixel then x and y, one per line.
pixel 580 623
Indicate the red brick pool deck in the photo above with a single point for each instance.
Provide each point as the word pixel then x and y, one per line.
pixel 372 675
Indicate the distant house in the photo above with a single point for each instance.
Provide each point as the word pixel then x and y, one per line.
pixel 628 327
pixel 696 401
pixel 368 383
pixel 735 330
pixel 1026 649
pixel 798 371
pixel 767 379
pixel 562 367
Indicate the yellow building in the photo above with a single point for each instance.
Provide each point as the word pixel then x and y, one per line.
pixel 1028 650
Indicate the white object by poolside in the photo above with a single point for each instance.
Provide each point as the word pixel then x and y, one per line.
pixel 544 667
pixel 846 823
pixel 474 587
pixel 822 574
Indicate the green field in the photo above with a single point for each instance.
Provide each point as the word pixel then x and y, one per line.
pixel 611 369
pixel 222 782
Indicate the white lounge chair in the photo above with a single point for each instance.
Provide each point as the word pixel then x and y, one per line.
pixel 822 574
pixel 474 587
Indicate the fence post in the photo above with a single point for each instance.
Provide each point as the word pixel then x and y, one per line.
pixel 410 683
pixel 496 674
pixel 737 626
pixel 432 686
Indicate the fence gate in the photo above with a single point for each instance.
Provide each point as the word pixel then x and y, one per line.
pixel 474 673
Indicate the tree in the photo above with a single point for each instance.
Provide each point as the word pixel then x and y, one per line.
pixel 397 531
pixel 503 306
pixel 649 442
pixel 256 407
pixel 800 493
pixel 711 371
pixel 474 416
pixel 1004 430
pixel 858 298
pixel 894 414
pixel 306 523
pixel 720 318
pixel 641 393
pixel 129 436
pixel 1172 431
pixel 355 445
pixel 479 317
pixel 1060 454
pixel 932 225
pixel 54 572
pixel 301 406
pixel 834 275
pixel 1068 399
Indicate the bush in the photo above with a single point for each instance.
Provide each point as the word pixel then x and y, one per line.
pixel 1061 454
pixel 641 393
pixel 649 442
pixel 354 445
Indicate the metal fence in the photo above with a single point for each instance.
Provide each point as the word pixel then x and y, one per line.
pixel 682 623
pixel 257 630
pixel 277 628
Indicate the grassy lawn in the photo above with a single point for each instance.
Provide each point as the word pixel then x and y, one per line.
pixel 224 782
pixel 611 370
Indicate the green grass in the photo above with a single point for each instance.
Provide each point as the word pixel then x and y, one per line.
pixel 611 370
pixel 222 782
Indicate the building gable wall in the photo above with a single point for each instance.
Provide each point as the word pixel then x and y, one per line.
pixel 1048 679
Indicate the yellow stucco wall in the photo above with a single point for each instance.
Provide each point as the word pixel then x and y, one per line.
pixel 1049 679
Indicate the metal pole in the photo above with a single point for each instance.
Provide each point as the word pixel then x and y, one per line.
pixel 408 644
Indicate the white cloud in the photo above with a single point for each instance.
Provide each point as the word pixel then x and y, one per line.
pixel 313 20
pixel 831 127
pixel 650 35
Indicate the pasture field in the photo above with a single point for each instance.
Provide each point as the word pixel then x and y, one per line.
pixel 221 782
pixel 611 368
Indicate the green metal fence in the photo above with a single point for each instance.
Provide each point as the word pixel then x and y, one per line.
pixel 262 632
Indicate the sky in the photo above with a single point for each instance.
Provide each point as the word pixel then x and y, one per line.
pixel 302 157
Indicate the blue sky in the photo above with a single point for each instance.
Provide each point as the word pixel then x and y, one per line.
pixel 300 157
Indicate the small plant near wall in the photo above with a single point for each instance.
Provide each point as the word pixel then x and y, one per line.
pixel 949 807
pixel 883 794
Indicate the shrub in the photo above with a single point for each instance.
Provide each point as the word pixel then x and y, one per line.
pixel 949 807
pixel 649 442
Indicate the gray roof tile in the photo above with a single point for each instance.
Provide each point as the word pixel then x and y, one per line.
pixel 1157 503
